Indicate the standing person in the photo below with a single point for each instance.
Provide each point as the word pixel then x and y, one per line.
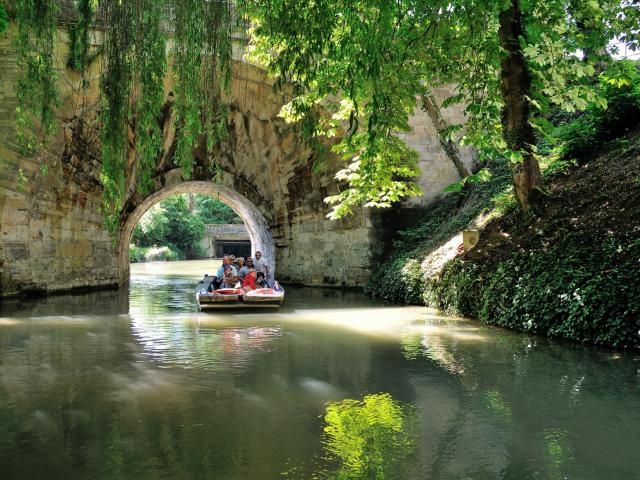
pixel 260 264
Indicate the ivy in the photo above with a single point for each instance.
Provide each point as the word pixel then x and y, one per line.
pixel 36 85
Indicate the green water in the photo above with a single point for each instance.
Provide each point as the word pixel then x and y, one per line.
pixel 139 384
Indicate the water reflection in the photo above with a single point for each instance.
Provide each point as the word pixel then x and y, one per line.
pixel 368 439
pixel 197 342
pixel 159 390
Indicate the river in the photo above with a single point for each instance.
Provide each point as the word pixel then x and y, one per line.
pixel 139 384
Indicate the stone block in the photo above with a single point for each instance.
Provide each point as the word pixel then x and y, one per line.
pixel 470 239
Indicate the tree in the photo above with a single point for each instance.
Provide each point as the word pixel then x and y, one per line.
pixel 430 105
pixel 515 87
pixel 170 224
pixel 364 62
pixel 368 62
pixel 214 211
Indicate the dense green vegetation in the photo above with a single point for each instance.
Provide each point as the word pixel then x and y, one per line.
pixel 574 271
pixel 173 228
pixel 367 64
pixel 511 61
pixel 4 18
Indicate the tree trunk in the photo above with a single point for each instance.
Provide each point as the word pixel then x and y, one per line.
pixel 516 129
pixel 430 105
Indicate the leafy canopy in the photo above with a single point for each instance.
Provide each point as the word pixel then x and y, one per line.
pixel 366 62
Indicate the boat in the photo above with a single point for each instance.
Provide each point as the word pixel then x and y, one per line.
pixel 236 297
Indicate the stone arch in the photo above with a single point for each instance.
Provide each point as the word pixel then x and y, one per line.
pixel 254 220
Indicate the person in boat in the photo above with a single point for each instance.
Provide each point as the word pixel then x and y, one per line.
pixel 229 279
pixel 262 269
pixel 242 271
pixel 249 282
pixel 217 283
pixel 226 261
pixel 247 265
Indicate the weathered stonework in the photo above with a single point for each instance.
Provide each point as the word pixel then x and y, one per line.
pixel 51 232
pixel 217 235
pixel 436 170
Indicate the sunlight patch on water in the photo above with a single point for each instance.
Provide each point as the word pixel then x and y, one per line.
pixel 382 322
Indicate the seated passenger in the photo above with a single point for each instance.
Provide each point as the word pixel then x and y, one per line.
pixel 242 270
pixel 249 282
pixel 229 278
pixel 247 266
pixel 226 261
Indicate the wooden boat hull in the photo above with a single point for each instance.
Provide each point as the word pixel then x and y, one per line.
pixel 236 298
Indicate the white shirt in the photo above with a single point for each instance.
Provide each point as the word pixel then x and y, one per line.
pixel 260 265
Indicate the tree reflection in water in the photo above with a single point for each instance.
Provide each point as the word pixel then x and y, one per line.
pixel 366 439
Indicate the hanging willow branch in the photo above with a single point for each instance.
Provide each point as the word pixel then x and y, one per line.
pixel 133 87
pixel 36 86
pixel 188 68
pixel 202 67
pixel 132 82
pixel 79 35
pixel 151 68
pixel 116 90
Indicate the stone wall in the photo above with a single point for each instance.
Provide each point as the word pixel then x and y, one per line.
pixel 227 231
pixel 436 170
pixel 215 235
pixel 51 232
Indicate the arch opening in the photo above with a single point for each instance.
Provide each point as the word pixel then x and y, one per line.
pixel 254 221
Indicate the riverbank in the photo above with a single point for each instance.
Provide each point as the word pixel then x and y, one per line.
pixel 572 272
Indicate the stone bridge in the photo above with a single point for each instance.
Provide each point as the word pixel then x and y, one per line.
pixel 52 236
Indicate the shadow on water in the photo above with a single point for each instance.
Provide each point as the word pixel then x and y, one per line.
pixel 108 302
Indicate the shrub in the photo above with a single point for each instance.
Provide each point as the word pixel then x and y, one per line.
pixel 157 254
pixel 584 135
pixel 400 278
pixel 136 254
pixel 152 254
